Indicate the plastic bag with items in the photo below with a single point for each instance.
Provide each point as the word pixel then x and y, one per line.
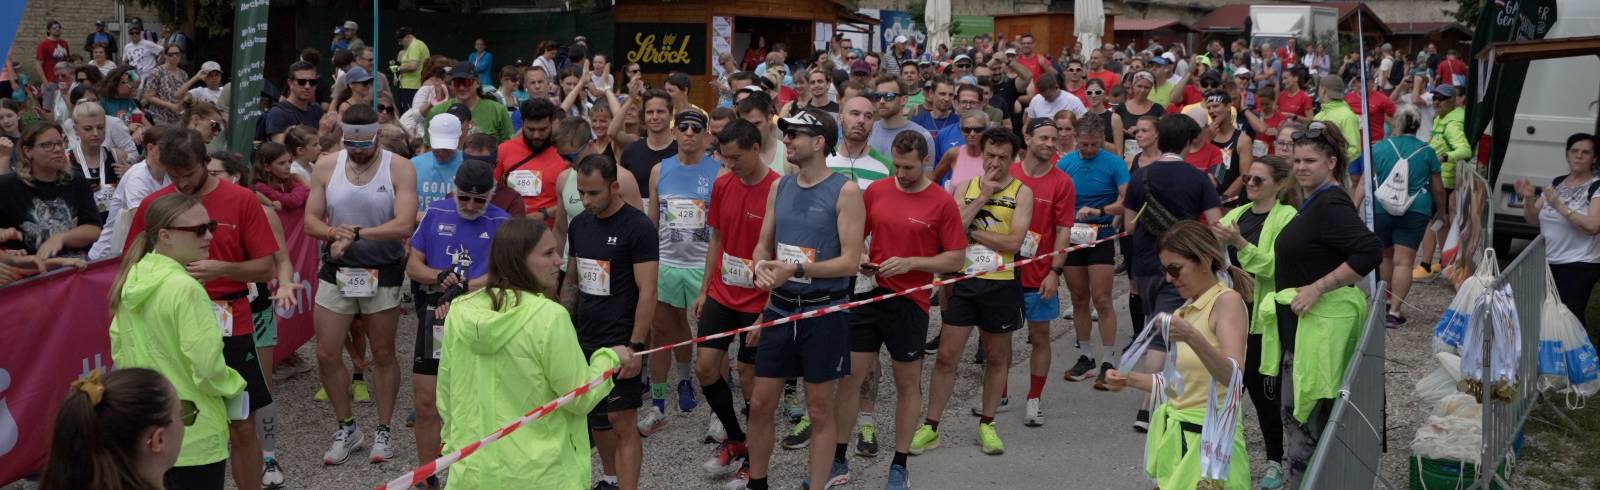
pixel 1453 431
pixel 1452 326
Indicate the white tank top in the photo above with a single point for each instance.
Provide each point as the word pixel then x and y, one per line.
pixel 367 205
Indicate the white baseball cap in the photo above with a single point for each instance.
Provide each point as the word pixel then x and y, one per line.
pixel 444 132
pixel 210 66
pixel 900 39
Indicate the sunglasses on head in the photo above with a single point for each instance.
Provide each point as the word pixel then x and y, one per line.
pixel 305 82
pixel 199 230
pixel 475 199
pixel 1314 132
pixel 361 145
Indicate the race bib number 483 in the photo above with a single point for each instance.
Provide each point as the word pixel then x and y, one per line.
pixel 594 277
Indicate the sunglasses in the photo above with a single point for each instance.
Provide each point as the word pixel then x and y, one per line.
pixel 460 82
pixel 1315 132
pixel 1172 270
pixel 793 133
pixel 1209 85
pixel 360 145
pixel 1256 180
pixel 367 83
pixel 883 96
pixel 475 199
pixel 202 229
pixel 1075 69
pixel 964 66
pixel 83 80
pixel 174 53
pixel 188 411
pixel 305 82
pixel 973 129
pixel 385 107
pixel 1094 93
pixel 691 128
pixel 633 71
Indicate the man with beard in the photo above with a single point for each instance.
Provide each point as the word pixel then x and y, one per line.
pixel 364 204
pixel 642 156
pixel 447 255
pixel 855 158
pixel 241 253
pixel 615 256
pixel 488 116
pixel 1049 229
pixel 941 112
pixel 530 164
pixel 889 96
pixel 300 107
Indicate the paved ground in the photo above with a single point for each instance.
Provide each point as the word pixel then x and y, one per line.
pixel 1087 440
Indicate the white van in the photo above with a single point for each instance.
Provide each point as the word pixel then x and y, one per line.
pixel 1560 97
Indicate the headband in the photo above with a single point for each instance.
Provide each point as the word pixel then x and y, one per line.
pixel 359 132
pixel 1144 75
pixel 1219 97
pixel 91 386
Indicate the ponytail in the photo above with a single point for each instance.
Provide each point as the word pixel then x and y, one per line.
pixel 100 426
pixel 159 215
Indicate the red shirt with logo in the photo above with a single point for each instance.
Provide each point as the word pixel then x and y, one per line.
pixel 736 212
pixel 1298 103
pixel 242 235
pixel 532 178
pixel 1054 199
pixel 904 224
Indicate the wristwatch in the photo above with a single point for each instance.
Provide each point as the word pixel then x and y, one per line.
pixel 358 234
pixel 1057 270
pixel 638 346
pixel 799 271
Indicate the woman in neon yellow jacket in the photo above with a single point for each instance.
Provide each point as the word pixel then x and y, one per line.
pixel 507 349
pixel 1252 229
pixel 162 320
pixel 1209 332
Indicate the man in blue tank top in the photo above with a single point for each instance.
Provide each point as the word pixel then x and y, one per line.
pixel 810 247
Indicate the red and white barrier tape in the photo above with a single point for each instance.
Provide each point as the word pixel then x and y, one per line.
pixel 421 474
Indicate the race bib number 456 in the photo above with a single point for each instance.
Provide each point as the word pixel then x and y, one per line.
pixel 356 282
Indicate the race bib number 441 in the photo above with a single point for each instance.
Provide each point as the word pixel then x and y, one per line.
pixel 737 272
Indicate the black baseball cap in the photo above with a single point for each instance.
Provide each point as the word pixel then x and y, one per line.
pixel 817 122
pixel 460 111
pixel 463 71
pixel 475 177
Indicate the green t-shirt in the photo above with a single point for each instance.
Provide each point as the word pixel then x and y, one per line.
pixel 1161 94
pixel 488 117
pixel 864 169
pixel 417 52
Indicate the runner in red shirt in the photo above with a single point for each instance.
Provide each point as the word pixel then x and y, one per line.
pixel 530 164
pixel 240 253
pixel 1382 106
pixel 1053 200
pixel 1267 118
pixel 915 231
pixel 1097 70
pixel 728 297
pixel 1034 62
pixel 1203 155
pixel 1293 100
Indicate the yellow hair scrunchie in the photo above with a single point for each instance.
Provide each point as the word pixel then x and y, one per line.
pixel 91 386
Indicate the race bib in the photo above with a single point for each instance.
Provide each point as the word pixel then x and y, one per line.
pixel 102 197
pixel 866 283
pixel 355 282
pixel 1129 147
pixel 1258 148
pixel 1030 245
pixel 737 272
pixel 1084 233
pixel 526 182
pixel 223 310
pixel 686 214
pixel 594 277
pixel 438 340
pixel 797 255
pixel 981 259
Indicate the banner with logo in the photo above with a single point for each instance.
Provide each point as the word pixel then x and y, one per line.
pixel 249 62
pixel 662 48
pixel 1496 88
pixel 57 331
pixel 894 23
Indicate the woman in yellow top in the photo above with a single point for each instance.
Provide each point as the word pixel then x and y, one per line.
pixel 162 320
pixel 509 348
pixel 1209 330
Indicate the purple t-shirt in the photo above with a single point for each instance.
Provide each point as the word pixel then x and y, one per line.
pixel 446 239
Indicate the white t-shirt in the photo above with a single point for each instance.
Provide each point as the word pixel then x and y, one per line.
pixel 136 184
pixel 1039 107
pixel 1565 243
pixel 206 94
pixel 1424 109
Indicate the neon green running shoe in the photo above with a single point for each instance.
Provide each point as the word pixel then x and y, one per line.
pixel 990 440
pixel 359 388
pixel 926 438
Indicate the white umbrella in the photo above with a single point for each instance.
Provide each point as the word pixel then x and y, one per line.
pixel 1089 21
pixel 937 18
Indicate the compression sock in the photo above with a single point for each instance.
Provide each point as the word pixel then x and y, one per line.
pixel 931 423
pixel 838 452
pixel 658 396
pixel 899 459
pixel 1035 386
pixel 720 397
pixel 685 371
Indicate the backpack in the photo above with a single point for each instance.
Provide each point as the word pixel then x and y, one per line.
pixel 1394 192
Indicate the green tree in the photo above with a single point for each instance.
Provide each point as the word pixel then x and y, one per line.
pixel 1467 11
pixel 213 18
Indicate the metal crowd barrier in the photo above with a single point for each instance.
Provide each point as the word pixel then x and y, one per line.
pixel 1348 452
pixel 1503 421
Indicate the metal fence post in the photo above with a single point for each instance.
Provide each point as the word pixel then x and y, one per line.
pixel 1503 421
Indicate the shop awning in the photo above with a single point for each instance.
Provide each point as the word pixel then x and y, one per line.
pixel 1146 25
pixel 1229 19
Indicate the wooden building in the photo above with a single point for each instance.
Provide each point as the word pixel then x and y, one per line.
pixel 683 35
pixel 1051 31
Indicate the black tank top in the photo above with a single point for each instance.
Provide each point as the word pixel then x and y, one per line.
pixel 1129 119
pixel 1230 155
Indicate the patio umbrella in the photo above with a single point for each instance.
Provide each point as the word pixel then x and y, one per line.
pixel 937 18
pixel 1089 21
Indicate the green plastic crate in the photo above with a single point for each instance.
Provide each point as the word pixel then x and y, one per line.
pixel 1440 474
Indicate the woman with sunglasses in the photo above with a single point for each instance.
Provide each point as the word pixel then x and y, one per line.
pixel 163 320
pixel 205 118
pixel 964 162
pixel 1319 254
pixel 1251 231
pixel 1137 107
pixel 162 91
pixel 360 92
pixel 1099 106
pixel 118 94
pixel 119 430
pixel 46 209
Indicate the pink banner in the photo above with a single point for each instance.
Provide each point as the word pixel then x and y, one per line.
pixel 55 330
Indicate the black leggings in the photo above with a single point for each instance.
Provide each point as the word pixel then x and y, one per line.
pixel 1263 391
pixel 206 476
pixel 1135 306
pixel 1574 283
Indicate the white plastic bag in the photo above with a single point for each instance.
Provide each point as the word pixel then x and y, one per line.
pixel 1556 326
pixel 1453 431
pixel 1453 324
pixel 1441 381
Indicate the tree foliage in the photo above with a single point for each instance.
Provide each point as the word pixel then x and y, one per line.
pixel 213 18
pixel 1467 11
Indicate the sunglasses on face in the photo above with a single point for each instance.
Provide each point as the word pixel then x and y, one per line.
pixel 360 145
pixel 1172 270
pixel 1255 180
pixel 83 80
pixel 1094 93
pixel 1075 69
pixel 634 71
pixel 202 229
pixel 476 199
pixel 1208 85
pixel 691 128
pixel 188 412
pixel 794 133
pixel 305 82
pixel 883 96
pixel 973 129
pixel 385 107
pixel 174 53
pixel 460 82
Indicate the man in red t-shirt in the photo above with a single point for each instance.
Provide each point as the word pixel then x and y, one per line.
pixel 1383 108
pixel 1035 63
pixel 1054 199
pixel 529 164
pixel 728 297
pixel 1098 71
pixel 914 231
pixel 240 253
pixel 1074 81
pixel 51 50
pixel 1452 70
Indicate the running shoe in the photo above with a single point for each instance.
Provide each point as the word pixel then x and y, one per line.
pixel 1420 274
pixel 686 401
pixel 1032 416
pixel 740 478
pixel 715 433
pixel 730 455
pixel 358 388
pixel 322 394
pixel 1272 478
pixel 271 474
pixel 990 440
pixel 793 405
pixel 1003 407
pixel 1081 370
pixel 1066 313
pixel 932 347
pixel 838 474
pixel 1122 267
pixel 345 441
pixel 800 437
pixel 1100 379
pixel 381 448
pixel 1141 422
pixel 867 441
pixel 604 485
pixel 926 438
pixel 411 419
pixel 1394 320
pixel 899 478
pixel 651 421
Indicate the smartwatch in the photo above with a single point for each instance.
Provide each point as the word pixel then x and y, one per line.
pixel 799 271
pixel 358 234
pixel 638 346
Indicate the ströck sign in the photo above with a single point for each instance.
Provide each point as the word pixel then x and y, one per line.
pixel 661 48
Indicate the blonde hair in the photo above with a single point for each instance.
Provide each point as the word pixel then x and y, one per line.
pixel 86 109
pixel 1194 241
pixel 158 215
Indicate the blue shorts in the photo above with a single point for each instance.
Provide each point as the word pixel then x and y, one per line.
pixel 1041 310
pixel 1405 231
pixel 817 349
